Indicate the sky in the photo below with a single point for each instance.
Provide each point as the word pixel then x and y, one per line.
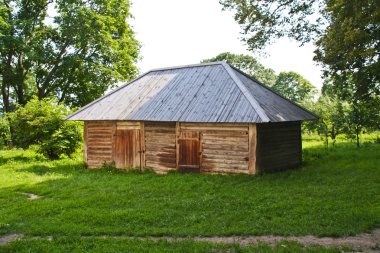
pixel 182 32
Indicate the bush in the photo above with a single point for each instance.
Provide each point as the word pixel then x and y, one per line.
pixel 63 141
pixel 5 134
pixel 41 122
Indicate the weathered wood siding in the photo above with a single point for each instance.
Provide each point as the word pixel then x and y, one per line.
pixel 160 146
pixel 278 146
pixel 128 138
pixel 98 143
pixel 224 148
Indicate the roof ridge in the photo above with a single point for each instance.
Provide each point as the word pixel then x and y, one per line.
pixel 106 95
pixel 273 91
pixel 256 106
pixel 189 66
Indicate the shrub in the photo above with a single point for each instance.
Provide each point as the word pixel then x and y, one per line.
pixel 41 122
pixel 64 141
pixel 5 134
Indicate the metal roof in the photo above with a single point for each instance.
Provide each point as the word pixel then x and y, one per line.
pixel 210 92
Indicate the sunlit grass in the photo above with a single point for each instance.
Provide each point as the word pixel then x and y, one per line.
pixel 335 193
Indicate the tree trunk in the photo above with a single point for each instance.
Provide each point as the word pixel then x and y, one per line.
pixel 357 139
pixel 20 79
pixel 5 92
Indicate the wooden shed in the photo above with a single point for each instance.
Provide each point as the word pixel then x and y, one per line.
pixel 208 118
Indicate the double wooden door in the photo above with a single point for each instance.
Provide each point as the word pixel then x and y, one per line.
pixel 128 148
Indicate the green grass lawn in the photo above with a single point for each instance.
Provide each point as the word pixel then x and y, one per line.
pixel 335 193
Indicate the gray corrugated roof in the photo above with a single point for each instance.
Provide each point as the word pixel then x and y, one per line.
pixel 210 92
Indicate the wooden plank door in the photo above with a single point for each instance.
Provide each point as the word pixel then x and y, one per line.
pixel 127 153
pixel 189 151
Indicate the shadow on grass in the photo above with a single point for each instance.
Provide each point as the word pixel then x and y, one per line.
pixel 17 158
pixel 64 169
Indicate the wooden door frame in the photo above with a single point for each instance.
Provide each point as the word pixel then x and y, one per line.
pixel 179 167
pixel 132 126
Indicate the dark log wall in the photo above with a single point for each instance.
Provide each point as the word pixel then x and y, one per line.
pixel 279 146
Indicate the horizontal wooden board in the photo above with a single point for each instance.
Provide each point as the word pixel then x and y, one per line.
pixel 98 143
pixel 160 146
pixel 230 157
pixel 226 147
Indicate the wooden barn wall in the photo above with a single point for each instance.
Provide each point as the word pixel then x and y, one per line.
pixel 98 143
pixel 224 148
pixel 279 146
pixel 160 146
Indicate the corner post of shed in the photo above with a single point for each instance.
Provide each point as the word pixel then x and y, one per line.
pixel 85 142
pixel 142 145
pixel 114 140
pixel 177 130
pixel 252 142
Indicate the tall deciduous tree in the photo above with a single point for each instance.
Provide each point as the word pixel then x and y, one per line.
pixel 350 47
pixel 294 87
pixel 249 65
pixel 71 49
pixel 346 32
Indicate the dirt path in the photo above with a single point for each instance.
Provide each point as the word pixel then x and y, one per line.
pixel 361 241
pixel 5 239
pixel 364 242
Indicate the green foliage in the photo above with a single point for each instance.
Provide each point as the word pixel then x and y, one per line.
pixel 249 65
pixel 317 199
pixel 350 47
pixel 294 87
pixel 5 134
pixel 346 33
pixel 264 21
pixel 333 117
pixel 74 53
pixel 41 122
pixel 64 140
pixel 363 115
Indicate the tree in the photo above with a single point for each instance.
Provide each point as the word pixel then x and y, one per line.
pixel 265 21
pixel 294 87
pixel 40 122
pixel 363 115
pixel 73 50
pixel 333 117
pixel 249 65
pixel 347 35
pixel 349 49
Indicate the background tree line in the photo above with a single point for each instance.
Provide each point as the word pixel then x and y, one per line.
pixel 337 116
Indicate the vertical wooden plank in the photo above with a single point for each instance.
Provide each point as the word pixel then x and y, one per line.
pixel 142 145
pixel 200 150
pixel 136 154
pixel 252 142
pixel 177 131
pixel 300 142
pixel 85 134
pixel 120 149
pixel 114 141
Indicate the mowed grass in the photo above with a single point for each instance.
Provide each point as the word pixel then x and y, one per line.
pixel 335 193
